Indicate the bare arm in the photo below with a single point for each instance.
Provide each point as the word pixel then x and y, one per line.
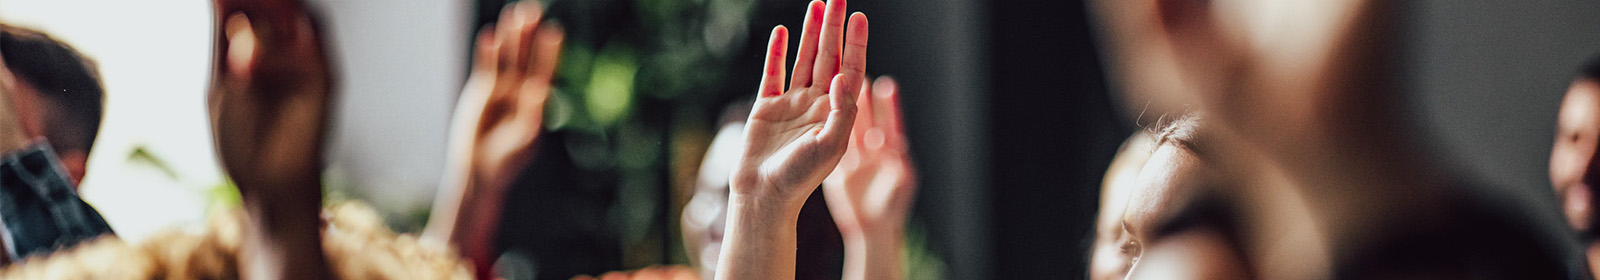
pixel 498 121
pixel 793 139
pixel 269 100
pixel 870 192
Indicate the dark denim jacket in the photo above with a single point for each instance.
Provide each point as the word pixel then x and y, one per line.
pixel 40 207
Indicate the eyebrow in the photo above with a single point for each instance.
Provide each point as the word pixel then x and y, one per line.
pixel 1207 208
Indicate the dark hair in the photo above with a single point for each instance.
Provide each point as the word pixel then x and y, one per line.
pixel 1591 69
pixel 67 81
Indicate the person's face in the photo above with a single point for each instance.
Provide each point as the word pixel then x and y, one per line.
pixel 1572 155
pixel 1174 225
pixel 1107 261
pixel 705 215
pixel 28 108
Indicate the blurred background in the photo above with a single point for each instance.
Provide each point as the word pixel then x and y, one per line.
pixel 1010 119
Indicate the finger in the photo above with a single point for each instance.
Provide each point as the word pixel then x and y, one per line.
pixel 832 36
pixel 483 57
pixel 806 58
pixel 529 24
pixel 546 51
pixel 239 51
pixel 886 97
pixel 855 47
pixel 864 119
pixel 843 116
pixel 505 38
pixel 777 48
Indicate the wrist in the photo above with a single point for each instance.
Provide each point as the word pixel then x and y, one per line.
pixel 874 255
pixel 282 240
pixel 765 206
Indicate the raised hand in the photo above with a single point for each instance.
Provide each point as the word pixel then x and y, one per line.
pixel 793 139
pixel 503 102
pixel 870 192
pixel 270 92
pixel 497 122
pixel 269 99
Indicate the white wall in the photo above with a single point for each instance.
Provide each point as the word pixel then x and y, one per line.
pixel 401 64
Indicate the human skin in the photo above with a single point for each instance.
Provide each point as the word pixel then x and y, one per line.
pixel 497 124
pixel 269 99
pixel 793 138
pixel 705 216
pixel 1306 90
pixel 12 137
pixel 1107 257
pixel 1572 165
pixel 871 190
pixel 1175 226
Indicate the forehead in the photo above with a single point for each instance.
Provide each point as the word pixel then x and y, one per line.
pixel 721 157
pixel 1172 180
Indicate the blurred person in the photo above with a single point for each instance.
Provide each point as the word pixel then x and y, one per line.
pixel 1179 222
pixel 1572 158
pixel 1305 103
pixel 58 94
pixel 704 221
pixel 793 139
pixel 52 111
pixel 1106 253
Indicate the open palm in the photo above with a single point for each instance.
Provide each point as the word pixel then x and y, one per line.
pixel 794 137
pixel 503 102
pixel 871 189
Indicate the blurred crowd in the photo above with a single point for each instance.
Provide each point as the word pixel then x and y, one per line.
pixel 1280 150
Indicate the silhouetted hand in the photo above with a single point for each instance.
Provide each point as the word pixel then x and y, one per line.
pixel 871 190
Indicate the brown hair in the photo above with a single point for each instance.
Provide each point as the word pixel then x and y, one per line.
pixel 67 81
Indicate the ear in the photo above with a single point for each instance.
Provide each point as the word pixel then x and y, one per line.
pixel 76 163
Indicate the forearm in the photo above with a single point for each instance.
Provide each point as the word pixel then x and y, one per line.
pixel 466 215
pixel 874 255
pixel 760 240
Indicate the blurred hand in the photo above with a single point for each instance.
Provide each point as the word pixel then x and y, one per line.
pixel 497 122
pixel 269 101
pixel 871 190
pixel 269 98
pixel 501 109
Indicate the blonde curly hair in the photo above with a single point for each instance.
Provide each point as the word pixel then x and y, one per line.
pixel 358 244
